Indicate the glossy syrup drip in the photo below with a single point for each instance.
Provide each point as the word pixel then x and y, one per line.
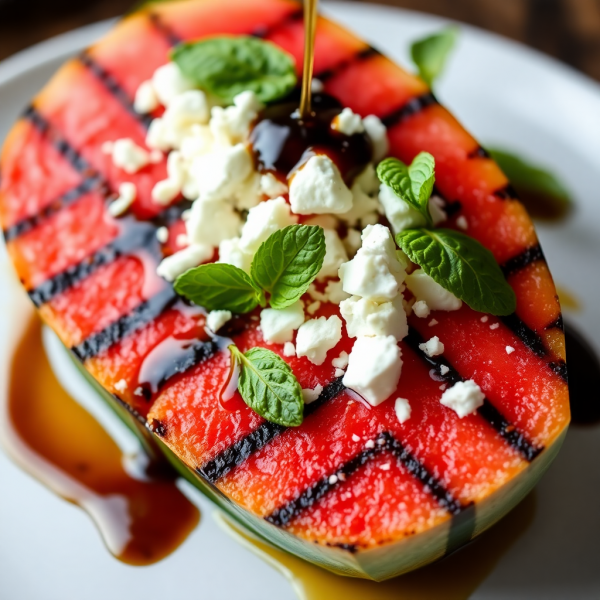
pixel 453 578
pixel 142 518
pixel 282 141
pixel 584 375
pixel 544 207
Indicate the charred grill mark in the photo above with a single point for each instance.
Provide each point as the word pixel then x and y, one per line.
pixel 113 87
pixel 241 450
pixel 172 38
pixel 508 192
pixel 158 427
pixel 264 31
pixel 479 152
pixel 412 107
pixel 29 223
pixel 361 55
pixel 125 325
pixel 283 515
pixel 492 415
pixel 522 260
pixel 560 368
pixel 527 335
pixel 134 413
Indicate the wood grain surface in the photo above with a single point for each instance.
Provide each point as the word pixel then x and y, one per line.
pixel 566 29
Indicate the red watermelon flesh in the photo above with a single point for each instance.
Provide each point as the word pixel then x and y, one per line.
pixel 351 478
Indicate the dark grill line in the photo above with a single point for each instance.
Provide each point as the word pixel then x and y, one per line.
pixel 412 107
pixel 522 260
pixel 28 223
pixel 479 152
pixel 283 515
pixel 113 87
pixel 527 335
pixel 172 38
pixel 558 323
pixel 241 450
pixel 127 324
pixel 266 30
pixel 361 55
pixel 492 415
pixel 508 192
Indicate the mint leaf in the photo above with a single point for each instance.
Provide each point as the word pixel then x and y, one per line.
pixel 431 53
pixel 218 286
pixel 543 194
pixel 269 387
pixel 288 261
pixel 461 265
pixel 413 184
pixel 227 66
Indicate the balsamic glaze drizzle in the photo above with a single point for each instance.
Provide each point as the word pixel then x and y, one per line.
pixel 412 107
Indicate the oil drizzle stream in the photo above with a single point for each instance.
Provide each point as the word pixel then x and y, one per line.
pixel 48 433
pixel 453 578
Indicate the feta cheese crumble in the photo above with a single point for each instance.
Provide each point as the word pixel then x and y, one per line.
pixel 335 255
pixel 377 131
pixel 432 347
pixel 464 397
pixel 316 337
pixel 432 293
pixel 289 349
pixel 126 197
pixel 509 349
pixel 402 409
pixel 127 155
pixel 341 362
pixel 278 325
pixel 318 188
pixel 348 122
pixel 365 317
pixel 217 318
pixel 374 368
pixel 146 99
pixel 172 266
pixel 311 395
pixel 421 309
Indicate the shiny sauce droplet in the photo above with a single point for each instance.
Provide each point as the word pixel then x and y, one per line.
pixel 140 513
pixel 230 398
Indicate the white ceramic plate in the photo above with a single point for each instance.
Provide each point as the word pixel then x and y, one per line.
pixel 506 95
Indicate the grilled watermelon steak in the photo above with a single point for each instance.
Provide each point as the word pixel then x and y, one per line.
pixel 357 487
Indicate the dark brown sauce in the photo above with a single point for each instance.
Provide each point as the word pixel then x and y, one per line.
pixel 584 378
pixel 140 520
pixel 544 207
pixel 282 141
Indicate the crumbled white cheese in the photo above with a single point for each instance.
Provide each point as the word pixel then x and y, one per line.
pixel 231 252
pixel 168 82
pixel 313 307
pixel 464 397
pixel 335 255
pixel 348 122
pixel 402 409
pixel 165 191
pixel 352 242
pixel 370 444
pixel 509 349
pixel 432 347
pixel 333 479
pixel 278 325
pixel 218 173
pixel 271 187
pixel 366 317
pixel 312 395
pixel 121 386
pixel 375 271
pixel 318 188
pixel 146 99
pixel 162 235
pixel 421 309
pixel 289 349
pixel 334 292
pixel 494 325
pixel 339 373
pixel 462 223
pixel 374 368
pixel 433 322
pixel 127 155
pixel 316 86
pixel 484 319
pixel 317 336
pixel 126 197
pixel 341 362
pixel 171 267
pixel 385 466
pixel 444 369
pixel 426 289
pixel 324 221
pixel 377 131
pixel 187 109
pixel 402 215
pixel 217 318
pixel 355 438
pixel 436 210
pixel 211 222
pixel 182 240
pixel 231 125
pixel 263 220
pixel 365 207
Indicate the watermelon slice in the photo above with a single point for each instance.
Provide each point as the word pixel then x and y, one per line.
pixel 351 489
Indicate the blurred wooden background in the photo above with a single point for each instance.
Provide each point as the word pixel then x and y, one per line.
pixel 566 29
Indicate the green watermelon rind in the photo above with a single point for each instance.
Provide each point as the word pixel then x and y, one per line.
pixel 378 563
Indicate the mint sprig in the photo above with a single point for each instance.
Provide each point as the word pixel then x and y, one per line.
pixel 227 66
pixel 461 265
pixel 413 183
pixel 431 53
pixel 287 263
pixel 269 387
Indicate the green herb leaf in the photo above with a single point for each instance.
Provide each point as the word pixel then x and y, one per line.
pixel 462 266
pixel 543 194
pixel 413 184
pixel 288 261
pixel 218 286
pixel 227 66
pixel 431 53
pixel 269 387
